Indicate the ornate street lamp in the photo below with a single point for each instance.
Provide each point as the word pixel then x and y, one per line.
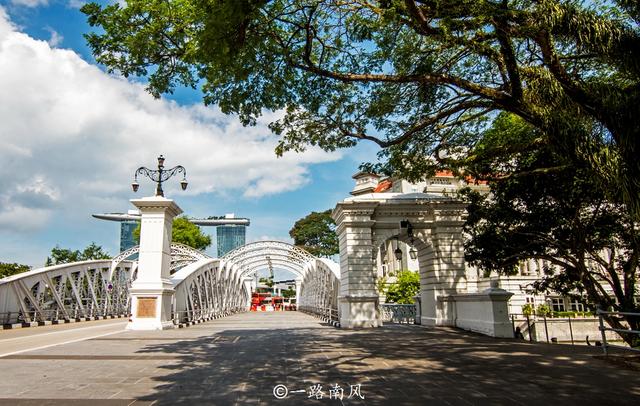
pixel 160 175
pixel 413 253
pixel 398 252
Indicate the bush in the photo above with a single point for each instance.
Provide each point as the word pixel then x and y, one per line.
pixel 543 310
pixel 405 288
pixel 573 314
pixel 381 285
pixel 528 309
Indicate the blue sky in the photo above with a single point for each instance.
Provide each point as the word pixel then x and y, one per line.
pixel 72 137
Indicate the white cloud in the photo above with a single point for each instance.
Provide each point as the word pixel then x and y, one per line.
pixel 55 39
pixel 6 26
pixel 23 219
pixel 270 238
pixel 30 3
pixel 76 3
pixel 72 137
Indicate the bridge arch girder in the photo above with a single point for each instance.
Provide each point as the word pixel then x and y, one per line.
pixel 204 287
pixel 66 291
pixel 257 264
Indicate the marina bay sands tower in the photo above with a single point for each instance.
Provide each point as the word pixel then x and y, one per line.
pixel 230 230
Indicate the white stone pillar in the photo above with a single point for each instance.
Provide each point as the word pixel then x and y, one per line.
pixel 358 299
pixel 152 291
pixel 486 312
pixel 445 272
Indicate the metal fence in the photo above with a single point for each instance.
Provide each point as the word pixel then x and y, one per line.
pixel 191 316
pixel 328 314
pixel 554 329
pixel 589 330
pixel 398 313
pixel 603 330
pixel 7 318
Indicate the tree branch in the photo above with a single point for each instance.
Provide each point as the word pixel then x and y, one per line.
pixel 421 125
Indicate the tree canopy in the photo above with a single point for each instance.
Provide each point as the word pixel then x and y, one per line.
pixel 184 232
pixel 421 78
pixel 288 293
pixel 65 255
pixel 316 234
pixel 590 242
pixel 8 269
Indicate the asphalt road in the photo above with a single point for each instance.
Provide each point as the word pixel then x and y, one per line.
pixel 34 338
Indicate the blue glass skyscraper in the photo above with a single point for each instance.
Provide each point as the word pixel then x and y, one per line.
pixel 126 234
pixel 230 237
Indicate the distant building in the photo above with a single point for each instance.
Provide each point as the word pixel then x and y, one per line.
pixel 442 183
pixel 231 230
pixel 230 236
pixel 445 183
pixel 128 222
pixel 127 239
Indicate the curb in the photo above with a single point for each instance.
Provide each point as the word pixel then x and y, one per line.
pixel 325 319
pixel 203 320
pixel 62 321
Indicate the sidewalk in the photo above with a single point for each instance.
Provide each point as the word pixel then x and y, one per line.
pixel 240 359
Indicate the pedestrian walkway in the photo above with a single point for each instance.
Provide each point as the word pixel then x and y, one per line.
pixel 241 359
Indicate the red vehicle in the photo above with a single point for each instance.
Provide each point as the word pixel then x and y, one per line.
pixel 257 299
pixel 265 302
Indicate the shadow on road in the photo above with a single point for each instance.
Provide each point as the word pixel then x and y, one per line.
pixel 395 365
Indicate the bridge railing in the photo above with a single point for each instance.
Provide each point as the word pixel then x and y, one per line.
pixel 83 289
pixel 319 290
pixel 328 314
pixel 204 291
pixel 398 313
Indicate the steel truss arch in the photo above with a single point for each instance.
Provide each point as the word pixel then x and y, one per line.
pixel 211 288
pixel 204 287
pixel 181 255
pixel 294 253
pixel 205 291
pixel 250 266
pixel 83 289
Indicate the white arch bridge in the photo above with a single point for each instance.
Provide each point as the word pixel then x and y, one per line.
pixel 204 287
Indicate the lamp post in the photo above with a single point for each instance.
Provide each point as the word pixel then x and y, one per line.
pixel 413 253
pixel 152 291
pixel 398 252
pixel 160 175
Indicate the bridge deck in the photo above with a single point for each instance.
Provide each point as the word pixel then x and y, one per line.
pixel 239 360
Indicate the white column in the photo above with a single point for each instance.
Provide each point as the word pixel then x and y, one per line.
pixel 152 291
pixel 358 298
pixel 443 272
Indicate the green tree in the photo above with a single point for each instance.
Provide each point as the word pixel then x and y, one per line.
pixel 94 251
pixel 559 216
pixel 404 288
pixel 8 269
pixel 65 255
pixel 528 309
pixel 267 281
pixel 316 233
pixel 287 293
pixel 420 78
pixel 184 232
